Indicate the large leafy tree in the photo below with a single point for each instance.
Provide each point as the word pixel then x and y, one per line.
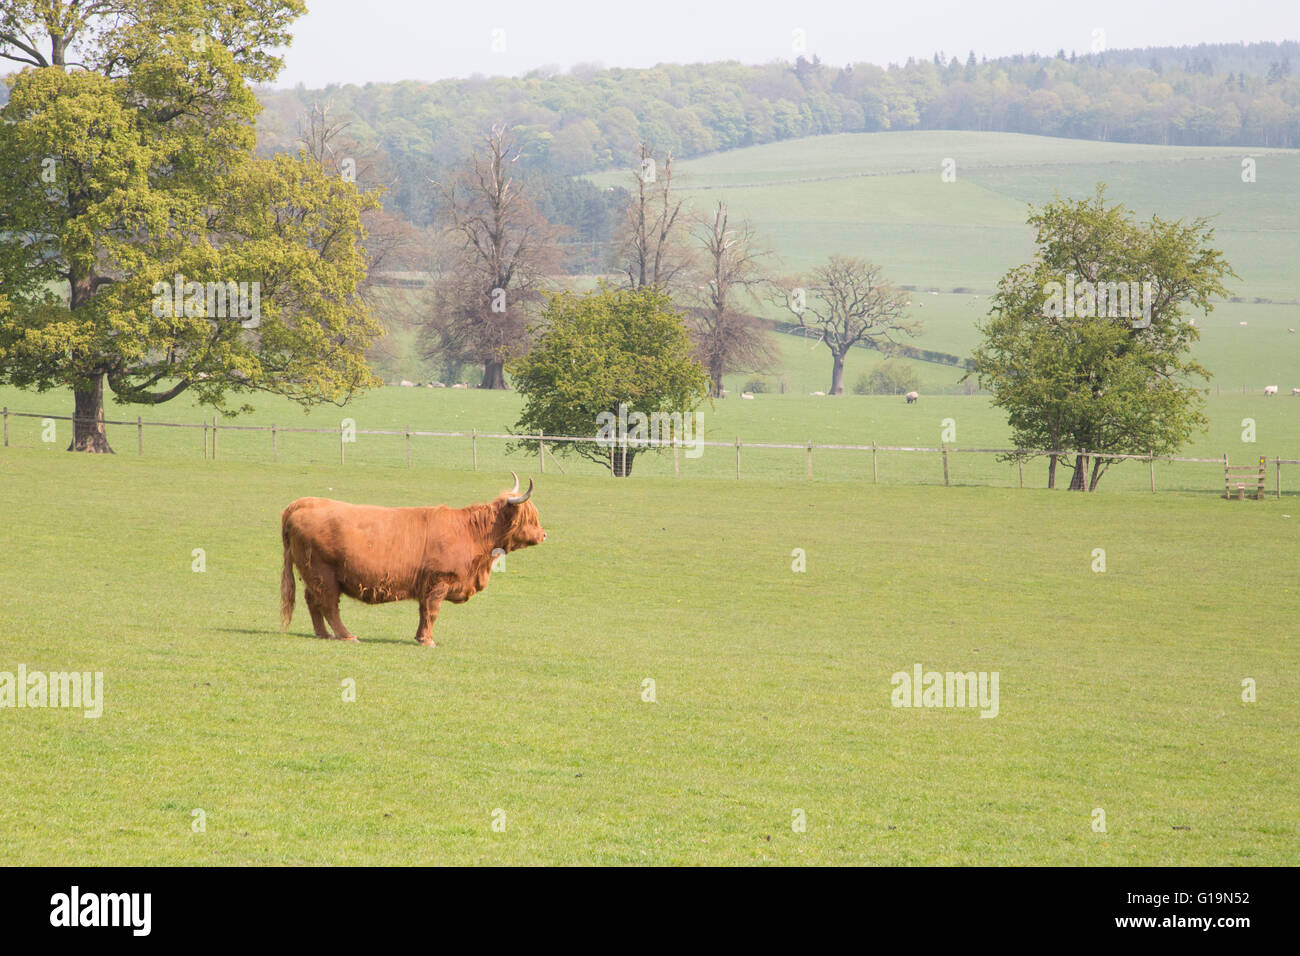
pixel 1080 370
pixel 126 162
pixel 596 352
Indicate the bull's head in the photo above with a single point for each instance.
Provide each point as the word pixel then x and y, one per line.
pixel 523 526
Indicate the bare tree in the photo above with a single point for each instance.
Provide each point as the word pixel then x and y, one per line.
pixel 390 241
pixel 848 302
pixel 505 250
pixel 654 253
pixel 726 338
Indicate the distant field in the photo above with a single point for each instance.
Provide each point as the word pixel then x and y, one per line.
pixel 880 195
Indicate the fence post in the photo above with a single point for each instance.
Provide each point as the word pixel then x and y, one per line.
pixel 611 460
pixel 677 467
pixel 139 436
pixel 214 437
pixel 873 463
pixel 541 450
pixel 6 426
pixel 408 446
pixel 341 444
pixel 474 444
pixel 205 441
pixel 1278 462
pixel 943 447
pixel 1151 466
pixel 1020 461
pixel 275 444
pixel 809 457
pixel 737 457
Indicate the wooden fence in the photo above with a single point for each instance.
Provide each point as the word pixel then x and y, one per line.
pixel 943 451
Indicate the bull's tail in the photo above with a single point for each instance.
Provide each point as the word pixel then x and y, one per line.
pixel 287 587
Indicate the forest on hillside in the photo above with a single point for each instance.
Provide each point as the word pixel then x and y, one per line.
pixel 589 118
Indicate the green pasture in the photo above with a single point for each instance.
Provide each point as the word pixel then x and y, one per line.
pixel 1118 690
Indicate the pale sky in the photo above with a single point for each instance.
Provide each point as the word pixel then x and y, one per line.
pixel 346 41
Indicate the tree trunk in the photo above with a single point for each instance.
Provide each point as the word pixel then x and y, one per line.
pixel 494 374
pixel 88 424
pixel 1051 473
pixel 623 461
pixel 1096 474
pixel 837 374
pixel 715 375
pixel 1079 480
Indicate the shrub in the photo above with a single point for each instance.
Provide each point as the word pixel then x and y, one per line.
pixel 890 377
pixel 757 386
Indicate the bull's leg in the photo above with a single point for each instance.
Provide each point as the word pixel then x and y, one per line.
pixel 329 586
pixel 317 617
pixel 340 629
pixel 429 606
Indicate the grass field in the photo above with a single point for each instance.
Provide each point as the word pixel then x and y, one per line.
pixel 1118 690
pixel 880 195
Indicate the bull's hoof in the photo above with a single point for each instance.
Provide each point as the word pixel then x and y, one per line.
pixel 429 643
pixel 351 637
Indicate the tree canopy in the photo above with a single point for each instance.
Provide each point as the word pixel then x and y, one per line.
pixel 141 242
pixel 1086 347
pixel 600 358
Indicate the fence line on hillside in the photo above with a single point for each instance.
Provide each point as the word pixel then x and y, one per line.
pixel 943 450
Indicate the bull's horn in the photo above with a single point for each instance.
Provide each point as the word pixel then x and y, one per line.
pixel 515 489
pixel 520 499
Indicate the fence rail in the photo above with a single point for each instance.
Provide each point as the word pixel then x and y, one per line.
pixel 1020 455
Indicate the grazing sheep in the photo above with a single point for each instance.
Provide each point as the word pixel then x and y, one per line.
pixel 1295 391
pixel 816 393
pixel 1241 323
pixel 746 395
pixel 406 384
pixel 438 384
pixel 1270 389
pixel 912 396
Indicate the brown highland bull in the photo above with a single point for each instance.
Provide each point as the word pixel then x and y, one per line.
pixel 377 555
